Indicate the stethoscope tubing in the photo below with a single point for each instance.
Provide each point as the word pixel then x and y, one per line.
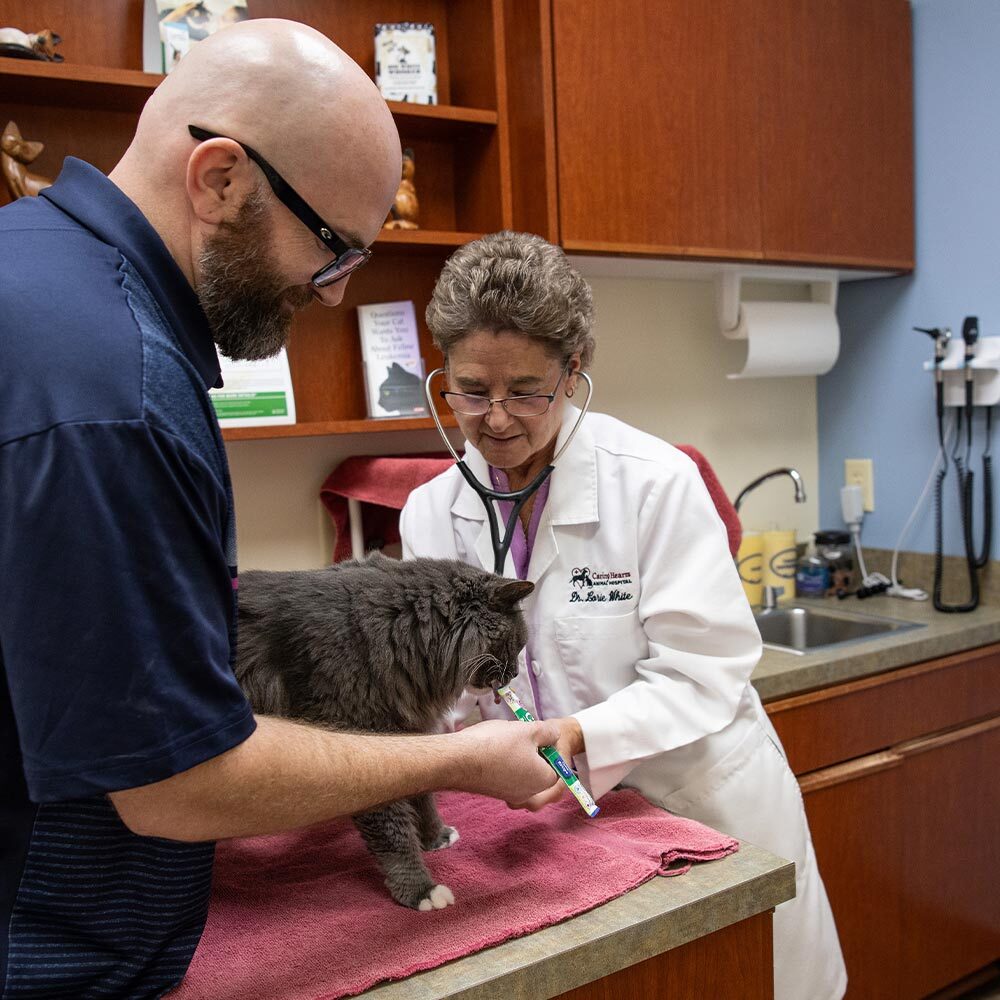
pixel 501 545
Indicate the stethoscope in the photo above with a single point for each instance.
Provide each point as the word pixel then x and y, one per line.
pixel 501 546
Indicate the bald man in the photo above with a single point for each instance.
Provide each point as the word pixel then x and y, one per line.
pixel 261 170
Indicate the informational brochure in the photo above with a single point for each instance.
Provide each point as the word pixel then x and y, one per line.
pixel 406 62
pixel 255 393
pixel 390 350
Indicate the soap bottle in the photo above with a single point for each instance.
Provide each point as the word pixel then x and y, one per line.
pixel 812 574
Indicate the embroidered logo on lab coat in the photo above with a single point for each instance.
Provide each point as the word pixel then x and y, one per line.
pixel 592 586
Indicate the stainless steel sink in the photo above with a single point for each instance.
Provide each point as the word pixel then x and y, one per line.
pixel 799 629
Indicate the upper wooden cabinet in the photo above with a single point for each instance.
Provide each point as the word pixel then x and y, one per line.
pixel 777 130
pixel 836 132
pixel 657 133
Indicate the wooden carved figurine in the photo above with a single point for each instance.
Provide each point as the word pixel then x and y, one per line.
pixel 404 211
pixel 15 155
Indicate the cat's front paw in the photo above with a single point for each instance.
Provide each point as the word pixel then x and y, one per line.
pixel 438 898
pixel 447 836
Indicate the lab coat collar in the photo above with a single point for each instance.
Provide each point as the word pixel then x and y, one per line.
pixel 572 496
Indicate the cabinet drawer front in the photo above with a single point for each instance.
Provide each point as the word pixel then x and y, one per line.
pixel 862 717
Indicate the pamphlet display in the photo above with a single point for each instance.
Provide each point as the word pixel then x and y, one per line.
pixel 390 350
pixel 405 62
pixel 255 393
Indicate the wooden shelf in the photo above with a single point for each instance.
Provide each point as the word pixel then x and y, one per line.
pixel 438 121
pixel 321 428
pixel 73 86
pixel 109 89
pixel 429 241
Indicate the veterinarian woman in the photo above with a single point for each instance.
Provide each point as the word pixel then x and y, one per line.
pixel 642 642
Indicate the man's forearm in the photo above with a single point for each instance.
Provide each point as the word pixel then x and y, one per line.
pixel 287 775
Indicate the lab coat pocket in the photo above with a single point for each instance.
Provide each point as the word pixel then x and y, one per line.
pixel 599 653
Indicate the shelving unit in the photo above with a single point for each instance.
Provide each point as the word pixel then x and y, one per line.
pixel 88 106
pixel 320 428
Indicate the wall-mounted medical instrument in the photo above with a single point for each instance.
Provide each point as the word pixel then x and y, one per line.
pixel 966 376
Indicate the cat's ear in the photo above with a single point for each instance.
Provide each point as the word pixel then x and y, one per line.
pixel 511 591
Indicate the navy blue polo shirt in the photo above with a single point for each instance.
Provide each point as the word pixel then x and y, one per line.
pixel 117 592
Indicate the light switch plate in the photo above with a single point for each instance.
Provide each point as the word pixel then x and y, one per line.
pixel 860 472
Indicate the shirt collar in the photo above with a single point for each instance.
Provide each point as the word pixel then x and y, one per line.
pixel 97 203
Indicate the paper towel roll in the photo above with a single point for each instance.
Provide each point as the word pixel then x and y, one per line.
pixel 787 338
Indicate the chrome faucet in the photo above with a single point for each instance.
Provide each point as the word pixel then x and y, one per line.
pixel 770 598
pixel 800 490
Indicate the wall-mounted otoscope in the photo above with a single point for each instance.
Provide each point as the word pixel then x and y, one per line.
pixel 941 336
pixel 970 340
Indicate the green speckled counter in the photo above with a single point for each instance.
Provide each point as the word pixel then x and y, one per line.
pixel 781 674
pixel 662 914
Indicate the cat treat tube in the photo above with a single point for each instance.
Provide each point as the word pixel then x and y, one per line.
pixel 573 783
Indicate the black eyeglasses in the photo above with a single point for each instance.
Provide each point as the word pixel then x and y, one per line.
pixel 516 406
pixel 347 259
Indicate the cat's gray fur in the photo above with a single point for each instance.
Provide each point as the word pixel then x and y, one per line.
pixel 383 646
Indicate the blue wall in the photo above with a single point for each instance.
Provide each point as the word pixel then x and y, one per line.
pixel 877 402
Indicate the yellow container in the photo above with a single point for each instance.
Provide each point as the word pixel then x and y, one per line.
pixel 779 563
pixel 749 562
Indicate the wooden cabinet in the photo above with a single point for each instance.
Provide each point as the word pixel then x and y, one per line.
pixel 656 127
pixel 88 107
pixel 836 132
pixel 899 777
pixel 777 130
pixel 734 963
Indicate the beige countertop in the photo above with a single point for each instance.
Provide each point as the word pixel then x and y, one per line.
pixel 661 914
pixel 780 674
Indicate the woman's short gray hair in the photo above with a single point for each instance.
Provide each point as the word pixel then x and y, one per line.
pixel 513 281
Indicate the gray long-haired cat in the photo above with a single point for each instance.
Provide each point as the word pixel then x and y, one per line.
pixel 382 646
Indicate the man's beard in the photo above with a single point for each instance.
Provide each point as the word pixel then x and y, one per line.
pixel 240 291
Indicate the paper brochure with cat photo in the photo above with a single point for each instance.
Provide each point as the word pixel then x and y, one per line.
pixel 381 646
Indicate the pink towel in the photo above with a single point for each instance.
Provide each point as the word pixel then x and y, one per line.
pixel 304 915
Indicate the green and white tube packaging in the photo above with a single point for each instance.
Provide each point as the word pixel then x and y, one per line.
pixel 556 762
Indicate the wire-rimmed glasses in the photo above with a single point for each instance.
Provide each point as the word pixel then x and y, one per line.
pixel 517 406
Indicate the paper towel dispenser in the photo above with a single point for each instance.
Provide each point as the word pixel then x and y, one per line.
pixel 783 338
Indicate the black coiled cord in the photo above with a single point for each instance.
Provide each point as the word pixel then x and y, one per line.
pixel 965 484
pixel 984 552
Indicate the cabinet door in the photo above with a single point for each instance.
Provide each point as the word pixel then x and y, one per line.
pixel 951 896
pixel 837 131
pixel 908 847
pixel 657 126
pixel 856 817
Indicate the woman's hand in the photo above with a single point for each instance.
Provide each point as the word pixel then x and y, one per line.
pixel 569 744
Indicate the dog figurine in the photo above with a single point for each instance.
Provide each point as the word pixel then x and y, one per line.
pixel 16 44
pixel 15 155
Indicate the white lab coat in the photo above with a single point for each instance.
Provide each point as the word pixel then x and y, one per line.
pixel 640 629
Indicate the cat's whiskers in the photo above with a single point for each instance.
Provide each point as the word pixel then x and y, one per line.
pixel 470 666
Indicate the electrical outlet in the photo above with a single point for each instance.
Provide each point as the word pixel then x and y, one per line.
pixel 859 472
